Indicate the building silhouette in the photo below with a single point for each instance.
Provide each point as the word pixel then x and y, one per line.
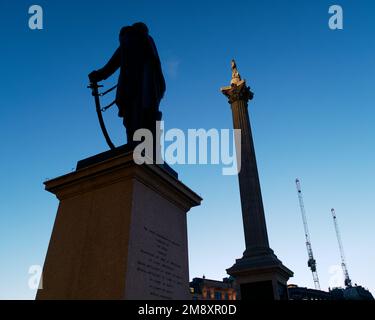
pixel 227 289
pixel 208 289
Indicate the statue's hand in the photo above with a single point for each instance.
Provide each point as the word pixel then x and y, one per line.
pixel 94 76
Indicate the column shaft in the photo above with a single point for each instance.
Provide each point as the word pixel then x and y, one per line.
pixel 255 229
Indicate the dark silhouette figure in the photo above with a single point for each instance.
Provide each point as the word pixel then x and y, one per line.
pixel 141 83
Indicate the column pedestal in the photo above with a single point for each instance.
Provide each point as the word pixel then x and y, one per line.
pixel 120 232
pixel 261 277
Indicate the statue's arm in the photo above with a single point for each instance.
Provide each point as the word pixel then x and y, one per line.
pixel 112 65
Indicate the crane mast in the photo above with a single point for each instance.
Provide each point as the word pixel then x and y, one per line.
pixel 311 262
pixel 348 282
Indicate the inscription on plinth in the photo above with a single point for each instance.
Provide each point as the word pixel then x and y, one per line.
pixel 158 257
pixel 162 271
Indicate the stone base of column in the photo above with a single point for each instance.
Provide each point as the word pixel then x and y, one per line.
pixel 261 277
pixel 120 232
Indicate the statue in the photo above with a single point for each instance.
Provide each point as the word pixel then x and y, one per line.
pixel 236 78
pixel 141 83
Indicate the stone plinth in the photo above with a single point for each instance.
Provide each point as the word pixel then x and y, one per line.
pixel 120 233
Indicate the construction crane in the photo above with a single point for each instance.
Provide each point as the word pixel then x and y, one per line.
pixel 311 263
pixel 348 282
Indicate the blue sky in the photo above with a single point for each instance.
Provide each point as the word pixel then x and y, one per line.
pixel 312 117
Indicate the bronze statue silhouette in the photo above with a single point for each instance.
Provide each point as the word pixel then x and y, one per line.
pixel 141 83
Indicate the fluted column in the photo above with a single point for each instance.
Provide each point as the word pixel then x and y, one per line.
pixel 259 274
pixel 256 238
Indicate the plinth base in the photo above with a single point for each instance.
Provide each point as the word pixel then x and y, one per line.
pixel 120 232
pixel 261 277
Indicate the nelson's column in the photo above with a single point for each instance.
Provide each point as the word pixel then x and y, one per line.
pixel 259 273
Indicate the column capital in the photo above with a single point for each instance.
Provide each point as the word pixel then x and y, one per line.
pixel 238 91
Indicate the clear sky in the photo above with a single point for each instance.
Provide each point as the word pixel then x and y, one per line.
pixel 312 117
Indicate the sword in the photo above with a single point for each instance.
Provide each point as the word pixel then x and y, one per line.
pixel 94 86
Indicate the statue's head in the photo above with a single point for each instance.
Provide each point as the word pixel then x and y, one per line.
pixel 137 28
pixel 141 27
